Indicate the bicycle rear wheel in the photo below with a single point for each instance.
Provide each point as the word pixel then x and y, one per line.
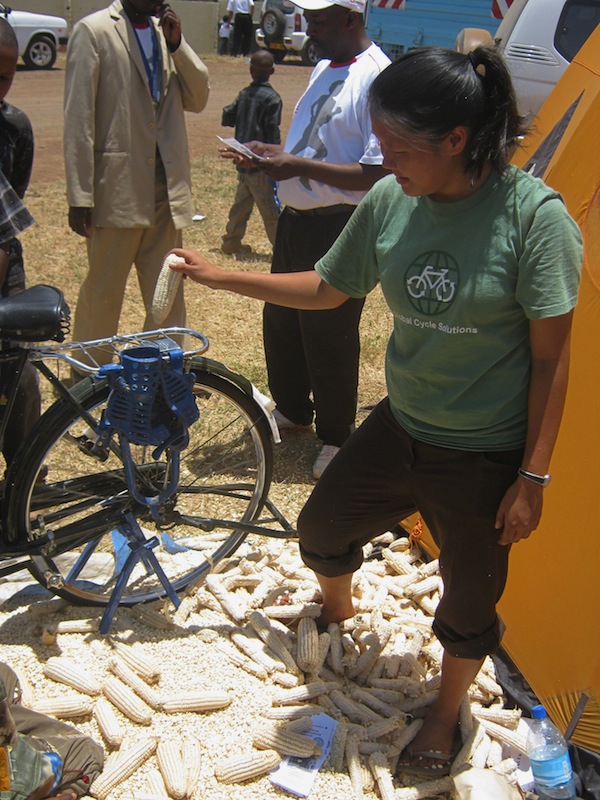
pixel 79 507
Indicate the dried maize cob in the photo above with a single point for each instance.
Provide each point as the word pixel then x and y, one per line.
pixel 192 762
pixel 300 724
pixel 119 668
pixel 494 754
pixel 244 662
pixel 170 764
pixel 187 606
pixel 470 744
pixel 335 648
pixel 481 752
pixel 25 689
pixel 292 611
pixel 156 785
pixel 122 768
pixel 109 725
pixel 292 712
pixel 366 747
pixel 353 710
pixel 379 729
pixel 324 641
pixel 404 736
pixel 404 684
pixel 70 673
pixel 286 742
pixel 368 698
pixel 418 702
pixel 166 288
pixel 250 644
pixel 511 738
pixel 399 562
pixel 272 638
pixel 137 661
pixel 354 766
pixel 506 767
pixel 229 602
pixel 381 772
pixel 247 767
pixel 195 701
pixel 156 619
pixel 366 660
pixel 307 654
pixel 306 692
pixel 433 788
pixel 127 701
pixel 286 680
pixel 65 707
pixel 338 747
pixel 509 718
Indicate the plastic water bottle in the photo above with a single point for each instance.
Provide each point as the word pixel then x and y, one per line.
pixel 549 758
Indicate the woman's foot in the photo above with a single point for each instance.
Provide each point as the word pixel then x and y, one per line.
pixel 433 749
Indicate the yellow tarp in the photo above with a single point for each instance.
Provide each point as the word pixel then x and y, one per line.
pixel 551 605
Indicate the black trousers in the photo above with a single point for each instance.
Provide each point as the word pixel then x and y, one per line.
pixel 242 34
pixel 312 352
pixel 379 477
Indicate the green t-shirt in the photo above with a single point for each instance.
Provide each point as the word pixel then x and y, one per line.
pixel 462 280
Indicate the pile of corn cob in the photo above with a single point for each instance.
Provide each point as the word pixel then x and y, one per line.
pixel 205 700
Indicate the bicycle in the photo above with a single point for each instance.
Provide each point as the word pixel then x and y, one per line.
pixel 115 497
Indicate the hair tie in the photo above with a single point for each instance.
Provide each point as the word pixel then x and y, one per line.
pixel 479 68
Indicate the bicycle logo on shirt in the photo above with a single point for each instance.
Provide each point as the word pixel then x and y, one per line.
pixel 432 282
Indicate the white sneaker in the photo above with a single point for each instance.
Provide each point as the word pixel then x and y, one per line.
pixel 324 459
pixel 285 424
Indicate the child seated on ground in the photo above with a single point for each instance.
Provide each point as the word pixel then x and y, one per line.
pixel 16 161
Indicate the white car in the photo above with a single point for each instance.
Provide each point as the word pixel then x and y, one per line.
pixel 283 30
pixel 38 36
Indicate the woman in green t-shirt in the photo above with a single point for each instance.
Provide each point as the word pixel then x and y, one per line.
pixel 479 263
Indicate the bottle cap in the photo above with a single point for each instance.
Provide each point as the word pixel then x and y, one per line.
pixel 538 712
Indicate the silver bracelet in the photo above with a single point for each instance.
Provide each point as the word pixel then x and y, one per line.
pixel 541 480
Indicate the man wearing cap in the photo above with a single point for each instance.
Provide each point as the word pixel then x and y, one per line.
pixel 329 161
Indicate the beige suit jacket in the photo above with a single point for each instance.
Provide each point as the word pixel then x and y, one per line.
pixel 113 130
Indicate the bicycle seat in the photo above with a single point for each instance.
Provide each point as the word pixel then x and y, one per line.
pixel 35 315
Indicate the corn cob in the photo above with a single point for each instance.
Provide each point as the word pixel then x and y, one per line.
pixel 408 686
pixel 300 724
pixel 193 764
pixel 247 767
pixel 139 662
pixel 350 649
pixel 286 680
pixel 378 729
pixel 188 605
pixel 338 747
pixel 307 692
pixel 156 785
pixel 307 654
pixel 433 788
pixel 481 752
pixel 286 742
pixel 127 701
pixel 369 699
pixel 470 744
pixel 506 767
pixel 272 638
pixel 292 611
pixel 404 736
pixel 354 766
pixel 366 660
pixel 381 772
pixel 244 662
pixel 44 607
pixel 335 647
pixel 67 706
pixel 428 585
pixel 109 725
pixel 250 644
pixel 423 701
pixel 131 679
pixel 324 641
pixel 353 710
pixel 511 738
pixel 228 601
pixel 76 626
pixel 122 768
pixel 166 288
pixel 292 712
pixel 170 764
pixel 494 754
pixel 509 718
pixel 195 701
pixel 399 562
pixel 26 694
pixel 366 747
pixel 65 671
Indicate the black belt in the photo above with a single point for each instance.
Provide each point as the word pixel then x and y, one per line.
pixel 341 208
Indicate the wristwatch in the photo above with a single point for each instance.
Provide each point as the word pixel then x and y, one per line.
pixel 541 480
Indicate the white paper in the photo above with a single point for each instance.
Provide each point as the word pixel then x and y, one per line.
pixel 297 775
pixel 238 147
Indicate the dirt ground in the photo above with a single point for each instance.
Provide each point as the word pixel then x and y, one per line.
pixel 40 94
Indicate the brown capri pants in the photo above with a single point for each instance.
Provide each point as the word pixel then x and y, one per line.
pixel 381 475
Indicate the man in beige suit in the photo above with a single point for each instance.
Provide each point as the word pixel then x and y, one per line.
pixel 129 77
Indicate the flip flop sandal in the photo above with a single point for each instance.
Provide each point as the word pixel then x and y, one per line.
pixel 439 769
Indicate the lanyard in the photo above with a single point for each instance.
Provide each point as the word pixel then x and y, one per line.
pixel 153 69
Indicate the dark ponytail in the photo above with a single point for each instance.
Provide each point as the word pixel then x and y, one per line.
pixel 426 93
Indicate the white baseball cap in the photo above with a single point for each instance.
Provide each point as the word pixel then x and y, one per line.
pixel 319 5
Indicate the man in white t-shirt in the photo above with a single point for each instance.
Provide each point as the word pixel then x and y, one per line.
pixel 329 161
